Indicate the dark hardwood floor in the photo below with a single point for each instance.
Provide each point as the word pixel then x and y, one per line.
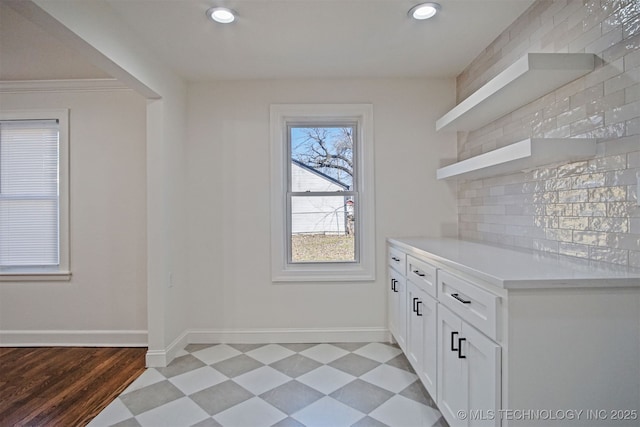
pixel 63 386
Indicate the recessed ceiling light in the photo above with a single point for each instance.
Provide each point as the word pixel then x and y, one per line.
pixel 424 10
pixel 221 15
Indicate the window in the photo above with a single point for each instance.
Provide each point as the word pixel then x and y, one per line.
pixel 34 195
pixel 322 192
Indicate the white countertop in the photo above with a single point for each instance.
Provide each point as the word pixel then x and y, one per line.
pixel 514 268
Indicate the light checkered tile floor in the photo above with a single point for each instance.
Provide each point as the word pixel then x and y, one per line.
pixel 255 385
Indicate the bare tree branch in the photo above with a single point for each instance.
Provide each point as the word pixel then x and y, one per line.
pixel 321 149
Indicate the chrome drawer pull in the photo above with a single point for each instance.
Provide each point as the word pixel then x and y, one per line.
pixel 457 297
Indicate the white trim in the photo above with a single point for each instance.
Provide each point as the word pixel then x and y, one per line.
pixel 161 358
pixel 71 338
pixel 156 359
pixel 26 276
pixel 70 85
pixel 266 336
pixel 281 270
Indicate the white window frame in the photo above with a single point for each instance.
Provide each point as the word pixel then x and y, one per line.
pixel 363 269
pixel 63 270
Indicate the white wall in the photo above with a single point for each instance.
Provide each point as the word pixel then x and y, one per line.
pixel 166 225
pixel 207 223
pixel 107 291
pixel 94 29
pixel 228 199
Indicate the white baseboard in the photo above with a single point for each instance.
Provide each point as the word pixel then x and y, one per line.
pixel 98 338
pixel 262 336
pixel 161 358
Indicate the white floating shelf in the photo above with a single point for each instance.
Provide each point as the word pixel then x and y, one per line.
pixel 529 78
pixel 523 155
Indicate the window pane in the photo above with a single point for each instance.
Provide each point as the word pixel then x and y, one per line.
pixel 322 229
pixel 322 158
pixel 28 158
pixel 29 230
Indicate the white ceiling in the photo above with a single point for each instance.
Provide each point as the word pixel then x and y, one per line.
pixel 286 38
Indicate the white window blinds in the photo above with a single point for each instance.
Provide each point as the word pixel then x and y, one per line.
pixel 29 193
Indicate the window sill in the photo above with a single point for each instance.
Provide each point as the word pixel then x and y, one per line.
pixel 35 276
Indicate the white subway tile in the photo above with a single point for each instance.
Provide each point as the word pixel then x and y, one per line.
pixel 607 40
pixel 579 44
pixel 622 81
pixel 585 209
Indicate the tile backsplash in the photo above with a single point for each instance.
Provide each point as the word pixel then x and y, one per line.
pixel 588 209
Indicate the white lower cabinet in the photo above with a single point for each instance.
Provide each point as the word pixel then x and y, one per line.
pixel 538 350
pixel 458 365
pixel 468 373
pixel 398 307
pixel 422 335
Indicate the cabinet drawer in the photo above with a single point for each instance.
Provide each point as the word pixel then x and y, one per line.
pixel 397 260
pixel 473 304
pixel 422 274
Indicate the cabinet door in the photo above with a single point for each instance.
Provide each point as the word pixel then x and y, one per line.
pixel 415 325
pixel 469 373
pixel 429 370
pixel 392 306
pixel 483 377
pixel 397 308
pixel 452 390
pixel 422 332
